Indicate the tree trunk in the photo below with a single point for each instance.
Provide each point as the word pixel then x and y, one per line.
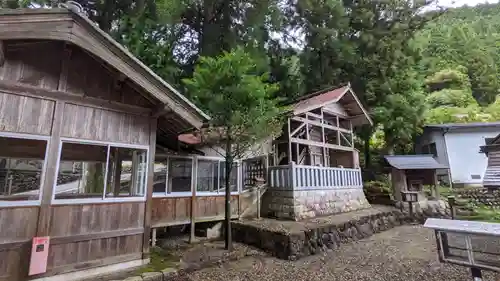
pixel 229 164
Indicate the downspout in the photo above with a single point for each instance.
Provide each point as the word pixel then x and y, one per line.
pixel 446 130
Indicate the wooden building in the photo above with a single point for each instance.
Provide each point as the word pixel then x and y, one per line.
pixel 491 178
pixel 80 122
pixel 313 167
pixel 412 172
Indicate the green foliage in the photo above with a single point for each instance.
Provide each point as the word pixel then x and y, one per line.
pixel 448 79
pixel 453 98
pixel 465 38
pixel 238 99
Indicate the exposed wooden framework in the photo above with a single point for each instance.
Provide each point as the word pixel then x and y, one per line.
pixel 321 125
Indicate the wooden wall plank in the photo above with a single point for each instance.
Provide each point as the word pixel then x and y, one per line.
pixel 67 220
pixel 13 265
pixel 24 64
pixel 82 254
pixel 170 210
pixel 17 224
pixel 213 206
pixel 104 125
pixel 23 114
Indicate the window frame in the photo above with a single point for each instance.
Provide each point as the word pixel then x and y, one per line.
pixel 103 198
pixel 29 203
pixel 194 174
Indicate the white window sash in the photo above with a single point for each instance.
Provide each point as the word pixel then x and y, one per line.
pixel 26 203
pixel 103 199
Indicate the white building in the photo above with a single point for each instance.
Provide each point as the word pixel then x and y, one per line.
pixel 457 146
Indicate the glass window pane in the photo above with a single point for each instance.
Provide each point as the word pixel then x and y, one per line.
pixel 21 166
pixel 233 181
pixel 82 169
pixel 179 174
pixel 160 177
pixel 126 172
pixel 208 177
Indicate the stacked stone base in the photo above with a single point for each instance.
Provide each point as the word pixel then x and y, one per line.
pixel 303 204
pixel 293 240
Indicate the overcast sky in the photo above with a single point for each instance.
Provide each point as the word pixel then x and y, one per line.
pixel 459 3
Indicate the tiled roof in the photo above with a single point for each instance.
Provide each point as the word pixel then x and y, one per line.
pixel 414 162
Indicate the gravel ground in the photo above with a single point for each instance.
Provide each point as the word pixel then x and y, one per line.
pixel 403 253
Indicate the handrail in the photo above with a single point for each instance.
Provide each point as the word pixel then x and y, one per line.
pixel 303 177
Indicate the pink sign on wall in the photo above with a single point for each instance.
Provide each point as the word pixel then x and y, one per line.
pixel 39 255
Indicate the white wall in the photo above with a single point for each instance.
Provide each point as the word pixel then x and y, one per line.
pixel 436 137
pixel 464 157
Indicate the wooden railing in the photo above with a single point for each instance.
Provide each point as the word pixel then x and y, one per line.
pixel 301 177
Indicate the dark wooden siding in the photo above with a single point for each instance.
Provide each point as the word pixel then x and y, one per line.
pixel 22 114
pixel 177 210
pixel 84 236
pixel 209 208
pixel 17 228
pixel 105 125
pixel 32 63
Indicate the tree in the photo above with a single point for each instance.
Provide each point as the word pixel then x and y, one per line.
pixel 240 103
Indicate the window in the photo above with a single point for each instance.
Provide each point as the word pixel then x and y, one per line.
pixel 22 163
pixel 179 174
pixel 208 176
pixel 430 149
pixel 99 171
pixel 160 177
pixel 233 179
pixel 126 172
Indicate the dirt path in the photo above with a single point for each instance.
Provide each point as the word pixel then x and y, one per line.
pixel 404 253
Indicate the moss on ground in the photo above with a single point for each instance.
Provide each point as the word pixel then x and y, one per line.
pixel 160 259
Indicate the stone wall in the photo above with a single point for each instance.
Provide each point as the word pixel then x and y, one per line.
pixel 303 204
pixel 480 196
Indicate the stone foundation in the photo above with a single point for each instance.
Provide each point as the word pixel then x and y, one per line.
pixel 303 204
pixel 292 240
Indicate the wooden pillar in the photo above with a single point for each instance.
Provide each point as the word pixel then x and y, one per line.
pixel 323 138
pixel 338 132
pixel 117 172
pixel 153 123
pixel 289 141
pixel 398 178
pixel 47 188
pixel 194 184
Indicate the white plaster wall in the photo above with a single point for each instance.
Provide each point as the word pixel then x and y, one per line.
pixel 436 137
pixel 464 157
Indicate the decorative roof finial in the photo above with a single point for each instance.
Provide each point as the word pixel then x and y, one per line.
pixel 73 6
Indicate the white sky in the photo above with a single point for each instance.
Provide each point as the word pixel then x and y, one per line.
pixel 459 3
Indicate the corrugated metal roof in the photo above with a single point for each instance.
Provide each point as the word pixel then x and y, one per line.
pixel 414 162
pixel 318 99
pixel 464 125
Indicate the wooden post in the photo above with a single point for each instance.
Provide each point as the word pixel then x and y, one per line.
pixel 338 132
pixel 194 185
pixel 153 123
pixel 323 137
pixel 289 141
pixel 47 188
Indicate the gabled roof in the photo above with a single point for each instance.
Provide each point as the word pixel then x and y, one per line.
pixel 72 27
pixel 414 162
pixel 343 95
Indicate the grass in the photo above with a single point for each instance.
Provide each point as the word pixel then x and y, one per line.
pixel 485 214
pixel 160 259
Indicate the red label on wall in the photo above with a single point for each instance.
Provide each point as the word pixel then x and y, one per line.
pixel 39 255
